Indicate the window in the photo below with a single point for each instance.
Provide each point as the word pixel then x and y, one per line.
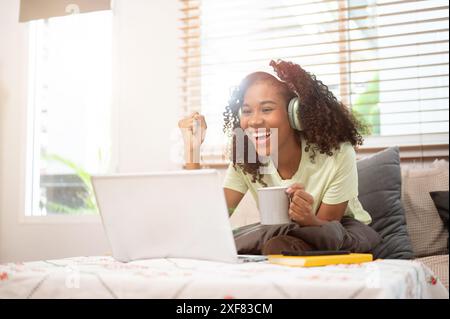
pixel 70 111
pixel 385 59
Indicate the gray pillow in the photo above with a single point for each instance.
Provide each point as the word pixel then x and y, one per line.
pixel 379 179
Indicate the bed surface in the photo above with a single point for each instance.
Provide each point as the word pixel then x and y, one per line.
pixel 103 277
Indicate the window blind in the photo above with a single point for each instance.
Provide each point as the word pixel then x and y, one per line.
pixel 385 59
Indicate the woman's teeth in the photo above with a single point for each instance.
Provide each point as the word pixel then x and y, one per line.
pixel 261 137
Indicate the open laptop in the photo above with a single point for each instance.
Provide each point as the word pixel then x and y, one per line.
pixel 179 214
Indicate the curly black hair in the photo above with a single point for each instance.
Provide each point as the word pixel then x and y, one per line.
pixel 326 121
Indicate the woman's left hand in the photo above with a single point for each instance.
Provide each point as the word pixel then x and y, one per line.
pixel 300 207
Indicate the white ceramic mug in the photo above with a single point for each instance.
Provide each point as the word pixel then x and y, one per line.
pixel 273 205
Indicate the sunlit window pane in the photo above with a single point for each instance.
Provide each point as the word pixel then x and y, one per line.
pixel 70 104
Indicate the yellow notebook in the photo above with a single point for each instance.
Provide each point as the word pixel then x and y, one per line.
pixel 315 261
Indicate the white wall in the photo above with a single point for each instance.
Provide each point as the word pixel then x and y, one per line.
pixel 146 82
pixel 146 112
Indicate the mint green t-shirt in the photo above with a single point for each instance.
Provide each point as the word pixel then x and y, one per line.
pixel 330 179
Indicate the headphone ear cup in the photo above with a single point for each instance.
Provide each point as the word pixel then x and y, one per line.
pixel 293 109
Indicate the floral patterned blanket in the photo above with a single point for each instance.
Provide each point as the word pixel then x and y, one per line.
pixel 103 277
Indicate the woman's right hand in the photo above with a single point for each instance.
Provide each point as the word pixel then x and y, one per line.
pixel 192 125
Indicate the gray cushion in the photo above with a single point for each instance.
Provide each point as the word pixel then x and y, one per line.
pixel 379 179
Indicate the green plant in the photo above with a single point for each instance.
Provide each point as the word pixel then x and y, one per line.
pixel 366 107
pixel 87 197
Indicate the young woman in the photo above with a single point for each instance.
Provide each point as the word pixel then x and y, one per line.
pixel 317 163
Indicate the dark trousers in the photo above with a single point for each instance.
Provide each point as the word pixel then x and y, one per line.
pixel 348 234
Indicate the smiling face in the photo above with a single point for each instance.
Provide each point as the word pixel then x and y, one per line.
pixel 264 107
